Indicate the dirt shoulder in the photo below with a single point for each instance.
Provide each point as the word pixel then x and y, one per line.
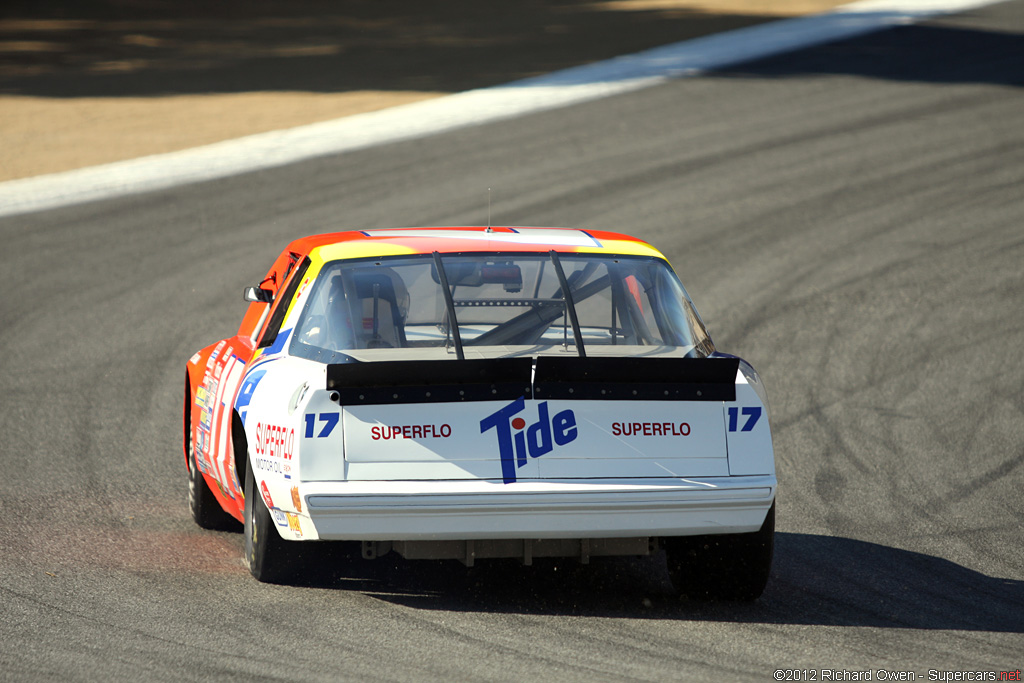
pixel 85 83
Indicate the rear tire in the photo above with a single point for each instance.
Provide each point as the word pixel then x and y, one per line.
pixel 731 567
pixel 269 557
pixel 206 511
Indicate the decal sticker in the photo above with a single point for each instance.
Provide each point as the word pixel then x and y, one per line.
pixel 293 524
pixel 266 495
pixel 220 430
pixel 329 420
pixel 195 358
pixel 515 439
pixel 650 429
pixel 279 343
pixel 201 448
pixel 201 396
pixel 279 517
pixel 752 415
pixel 296 499
pixel 246 392
pixel 268 465
pixel 213 356
pixel 274 444
pixel 385 432
pixel 274 441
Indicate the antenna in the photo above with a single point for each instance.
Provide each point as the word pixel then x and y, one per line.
pixel 489 210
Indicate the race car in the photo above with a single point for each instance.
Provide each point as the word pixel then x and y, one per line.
pixel 482 392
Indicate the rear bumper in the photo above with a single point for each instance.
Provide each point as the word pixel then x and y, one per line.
pixel 463 510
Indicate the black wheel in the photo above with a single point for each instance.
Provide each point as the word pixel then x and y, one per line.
pixel 269 557
pixel 723 567
pixel 206 511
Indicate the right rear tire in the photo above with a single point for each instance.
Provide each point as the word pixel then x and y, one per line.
pixel 722 567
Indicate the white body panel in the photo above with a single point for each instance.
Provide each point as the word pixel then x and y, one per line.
pixel 273 421
pixel 566 469
pixel 602 439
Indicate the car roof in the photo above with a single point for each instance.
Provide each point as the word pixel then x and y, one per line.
pixel 468 239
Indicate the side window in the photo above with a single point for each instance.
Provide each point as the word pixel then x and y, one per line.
pixel 281 305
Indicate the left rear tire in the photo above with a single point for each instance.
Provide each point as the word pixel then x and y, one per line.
pixel 267 555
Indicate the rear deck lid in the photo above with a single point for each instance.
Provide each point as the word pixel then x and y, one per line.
pixel 514 419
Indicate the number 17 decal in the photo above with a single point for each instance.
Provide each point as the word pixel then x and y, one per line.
pixel 330 420
pixel 752 415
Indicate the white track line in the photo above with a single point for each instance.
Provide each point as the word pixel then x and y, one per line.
pixel 475 107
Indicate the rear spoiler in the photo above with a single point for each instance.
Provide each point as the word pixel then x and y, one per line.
pixel 506 379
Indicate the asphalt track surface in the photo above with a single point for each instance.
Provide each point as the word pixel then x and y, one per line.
pixel 849 218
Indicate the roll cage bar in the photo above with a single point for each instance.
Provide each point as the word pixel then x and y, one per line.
pixel 526 319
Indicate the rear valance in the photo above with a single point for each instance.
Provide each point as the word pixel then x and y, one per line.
pixel 503 379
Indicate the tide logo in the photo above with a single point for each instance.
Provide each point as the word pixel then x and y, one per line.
pixel 516 439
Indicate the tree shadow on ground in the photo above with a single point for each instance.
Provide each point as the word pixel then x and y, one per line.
pixel 111 48
pixel 925 53
pixel 114 48
pixel 816 580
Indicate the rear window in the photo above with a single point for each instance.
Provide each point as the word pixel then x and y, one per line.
pixel 504 305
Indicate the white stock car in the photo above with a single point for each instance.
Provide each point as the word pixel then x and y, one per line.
pixel 473 393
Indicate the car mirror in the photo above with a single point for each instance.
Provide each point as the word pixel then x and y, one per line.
pixel 475 274
pixel 258 295
pixel 509 275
